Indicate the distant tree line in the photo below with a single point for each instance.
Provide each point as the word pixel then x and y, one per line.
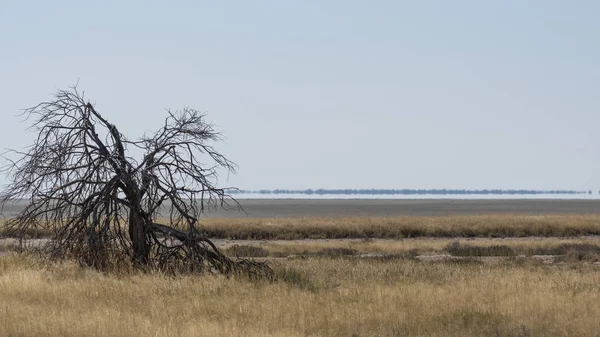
pixel 374 191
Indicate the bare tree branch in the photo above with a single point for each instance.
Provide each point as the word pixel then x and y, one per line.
pixel 100 203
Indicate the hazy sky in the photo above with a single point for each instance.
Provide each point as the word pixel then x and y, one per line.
pixel 332 94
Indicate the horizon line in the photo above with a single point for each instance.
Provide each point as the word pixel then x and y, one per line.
pixel 407 191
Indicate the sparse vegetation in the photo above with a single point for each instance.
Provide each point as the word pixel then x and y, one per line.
pixel 585 247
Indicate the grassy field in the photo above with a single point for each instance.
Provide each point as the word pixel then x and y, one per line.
pixel 329 287
pixel 311 297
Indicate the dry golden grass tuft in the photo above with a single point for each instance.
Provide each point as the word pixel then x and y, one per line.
pixel 312 297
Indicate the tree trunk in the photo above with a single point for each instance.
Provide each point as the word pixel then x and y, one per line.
pixel 137 234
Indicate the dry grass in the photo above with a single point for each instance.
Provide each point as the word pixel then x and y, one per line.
pixel 313 297
pixel 501 225
pixel 403 227
pixel 330 297
pixel 422 246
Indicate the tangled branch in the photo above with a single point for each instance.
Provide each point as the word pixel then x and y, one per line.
pixel 99 203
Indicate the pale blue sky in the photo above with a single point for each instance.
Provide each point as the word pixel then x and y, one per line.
pixel 333 94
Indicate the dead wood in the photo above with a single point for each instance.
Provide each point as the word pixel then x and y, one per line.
pixel 101 203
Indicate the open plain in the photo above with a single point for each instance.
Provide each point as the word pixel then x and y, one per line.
pixel 342 268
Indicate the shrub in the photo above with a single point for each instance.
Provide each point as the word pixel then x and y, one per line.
pixel 457 249
pixel 246 251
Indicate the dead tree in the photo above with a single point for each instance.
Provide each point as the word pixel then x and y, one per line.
pixel 101 204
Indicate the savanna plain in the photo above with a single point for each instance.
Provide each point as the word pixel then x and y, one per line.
pixel 376 274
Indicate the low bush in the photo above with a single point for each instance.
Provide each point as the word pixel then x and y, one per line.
pixel 457 249
pixel 246 251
